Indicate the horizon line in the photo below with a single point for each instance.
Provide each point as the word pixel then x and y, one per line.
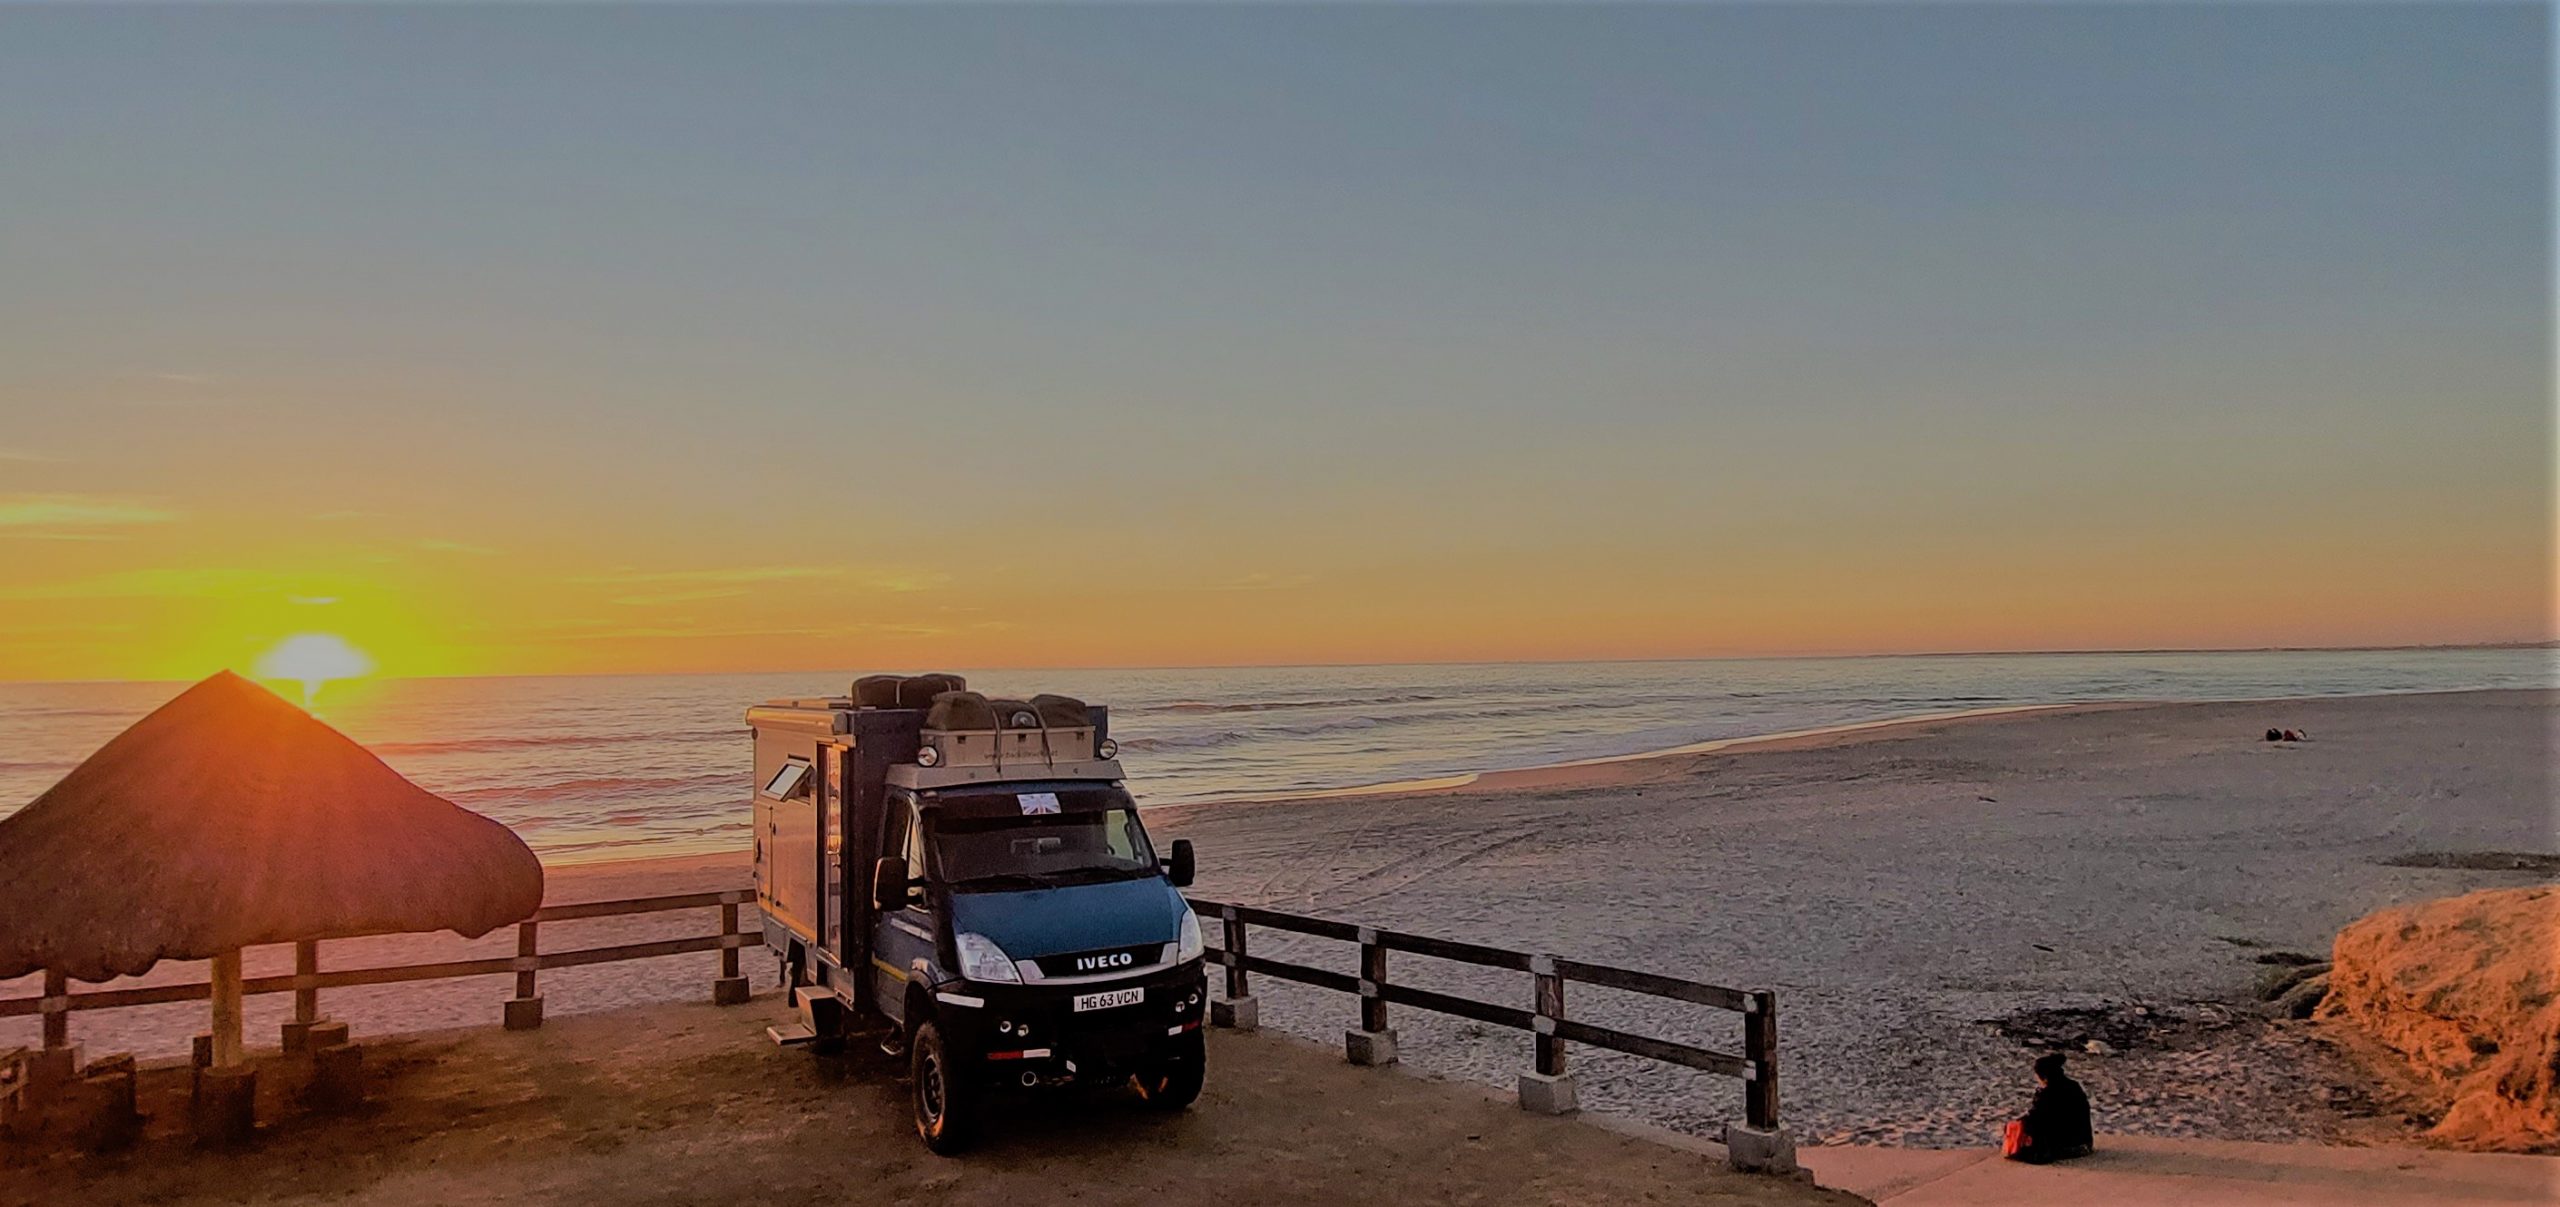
pixel 2547 643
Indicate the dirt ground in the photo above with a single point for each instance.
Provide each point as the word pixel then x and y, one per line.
pixel 689 1104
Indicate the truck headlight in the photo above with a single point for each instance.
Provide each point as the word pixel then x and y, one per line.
pixel 1188 948
pixel 982 960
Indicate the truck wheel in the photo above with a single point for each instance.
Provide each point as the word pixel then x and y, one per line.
pixel 1174 1084
pixel 946 1098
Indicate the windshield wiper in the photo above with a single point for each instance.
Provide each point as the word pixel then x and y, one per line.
pixel 1009 880
pixel 1098 875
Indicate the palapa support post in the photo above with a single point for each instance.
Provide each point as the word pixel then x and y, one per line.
pixel 1548 1089
pixel 732 988
pixel 1760 1145
pixel 1374 1044
pixel 525 1012
pixel 1238 1011
pixel 226 1097
pixel 306 997
pixel 227 1047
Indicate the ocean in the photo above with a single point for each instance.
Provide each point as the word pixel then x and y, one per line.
pixel 614 767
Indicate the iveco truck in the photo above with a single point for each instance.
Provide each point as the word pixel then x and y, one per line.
pixel 968 878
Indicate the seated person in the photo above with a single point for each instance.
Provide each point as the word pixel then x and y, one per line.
pixel 2056 1125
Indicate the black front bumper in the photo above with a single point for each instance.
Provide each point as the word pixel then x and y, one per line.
pixel 1056 1043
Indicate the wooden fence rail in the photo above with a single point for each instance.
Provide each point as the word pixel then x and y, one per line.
pixel 1544 1017
pixel 57 1002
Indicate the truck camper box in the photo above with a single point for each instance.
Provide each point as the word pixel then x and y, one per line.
pixel 969 878
pixel 823 769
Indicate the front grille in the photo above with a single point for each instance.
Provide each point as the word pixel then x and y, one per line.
pixel 1101 962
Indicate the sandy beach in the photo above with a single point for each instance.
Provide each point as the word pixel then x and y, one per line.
pixel 1916 893
pixel 1905 889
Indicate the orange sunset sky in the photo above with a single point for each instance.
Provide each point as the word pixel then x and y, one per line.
pixel 511 341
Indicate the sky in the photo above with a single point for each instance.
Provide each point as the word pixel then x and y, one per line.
pixel 726 337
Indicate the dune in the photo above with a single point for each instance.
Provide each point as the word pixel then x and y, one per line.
pixel 2465 991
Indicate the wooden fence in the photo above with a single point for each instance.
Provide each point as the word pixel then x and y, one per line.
pixel 57 1002
pixel 1545 1018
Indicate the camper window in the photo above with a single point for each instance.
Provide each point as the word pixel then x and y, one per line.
pixel 789 782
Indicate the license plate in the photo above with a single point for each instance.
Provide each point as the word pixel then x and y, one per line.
pixel 1109 998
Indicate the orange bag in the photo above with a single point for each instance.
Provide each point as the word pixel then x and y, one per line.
pixel 2013 1138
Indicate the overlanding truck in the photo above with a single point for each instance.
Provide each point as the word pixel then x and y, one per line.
pixel 969 878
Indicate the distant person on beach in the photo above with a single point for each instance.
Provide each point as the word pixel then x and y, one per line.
pixel 2056 1125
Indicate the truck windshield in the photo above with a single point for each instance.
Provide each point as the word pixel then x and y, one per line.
pixel 1043 851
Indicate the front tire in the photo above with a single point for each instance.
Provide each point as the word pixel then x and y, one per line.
pixel 1175 1083
pixel 944 1093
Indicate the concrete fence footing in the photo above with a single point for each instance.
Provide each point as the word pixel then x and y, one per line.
pixel 731 991
pixel 49 1071
pixel 1236 1013
pixel 1370 1049
pixel 1749 1150
pixel 524 1013
pixel 337 1077
pixel 102 1107
pixel 1541 1094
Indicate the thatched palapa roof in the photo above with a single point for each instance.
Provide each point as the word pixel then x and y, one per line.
pixel 229 818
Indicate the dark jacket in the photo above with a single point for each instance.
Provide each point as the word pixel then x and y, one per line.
pixel 2058 1120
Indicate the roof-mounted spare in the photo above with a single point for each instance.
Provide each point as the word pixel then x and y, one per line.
pixel 903 691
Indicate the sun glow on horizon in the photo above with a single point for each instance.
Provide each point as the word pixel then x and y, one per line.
pixel 312 659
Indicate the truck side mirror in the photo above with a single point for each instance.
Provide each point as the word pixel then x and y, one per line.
pixel 1179 868
pixel 889 883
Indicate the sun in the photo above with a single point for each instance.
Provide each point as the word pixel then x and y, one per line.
pixel 312 659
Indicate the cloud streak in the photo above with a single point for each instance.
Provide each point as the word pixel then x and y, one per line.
pixel 727 579
pixel 58 511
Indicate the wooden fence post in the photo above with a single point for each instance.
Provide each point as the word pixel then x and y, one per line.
pixel 1374 1043
pixel 306 997
pixel 1239 1011
pixel 57 1009
pixel 56 1064
pixel 732 988
pixel 525 1012
pixel 1550 1011
pixel 1237 986
pixel 1760 1047
pixel 1548 1089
